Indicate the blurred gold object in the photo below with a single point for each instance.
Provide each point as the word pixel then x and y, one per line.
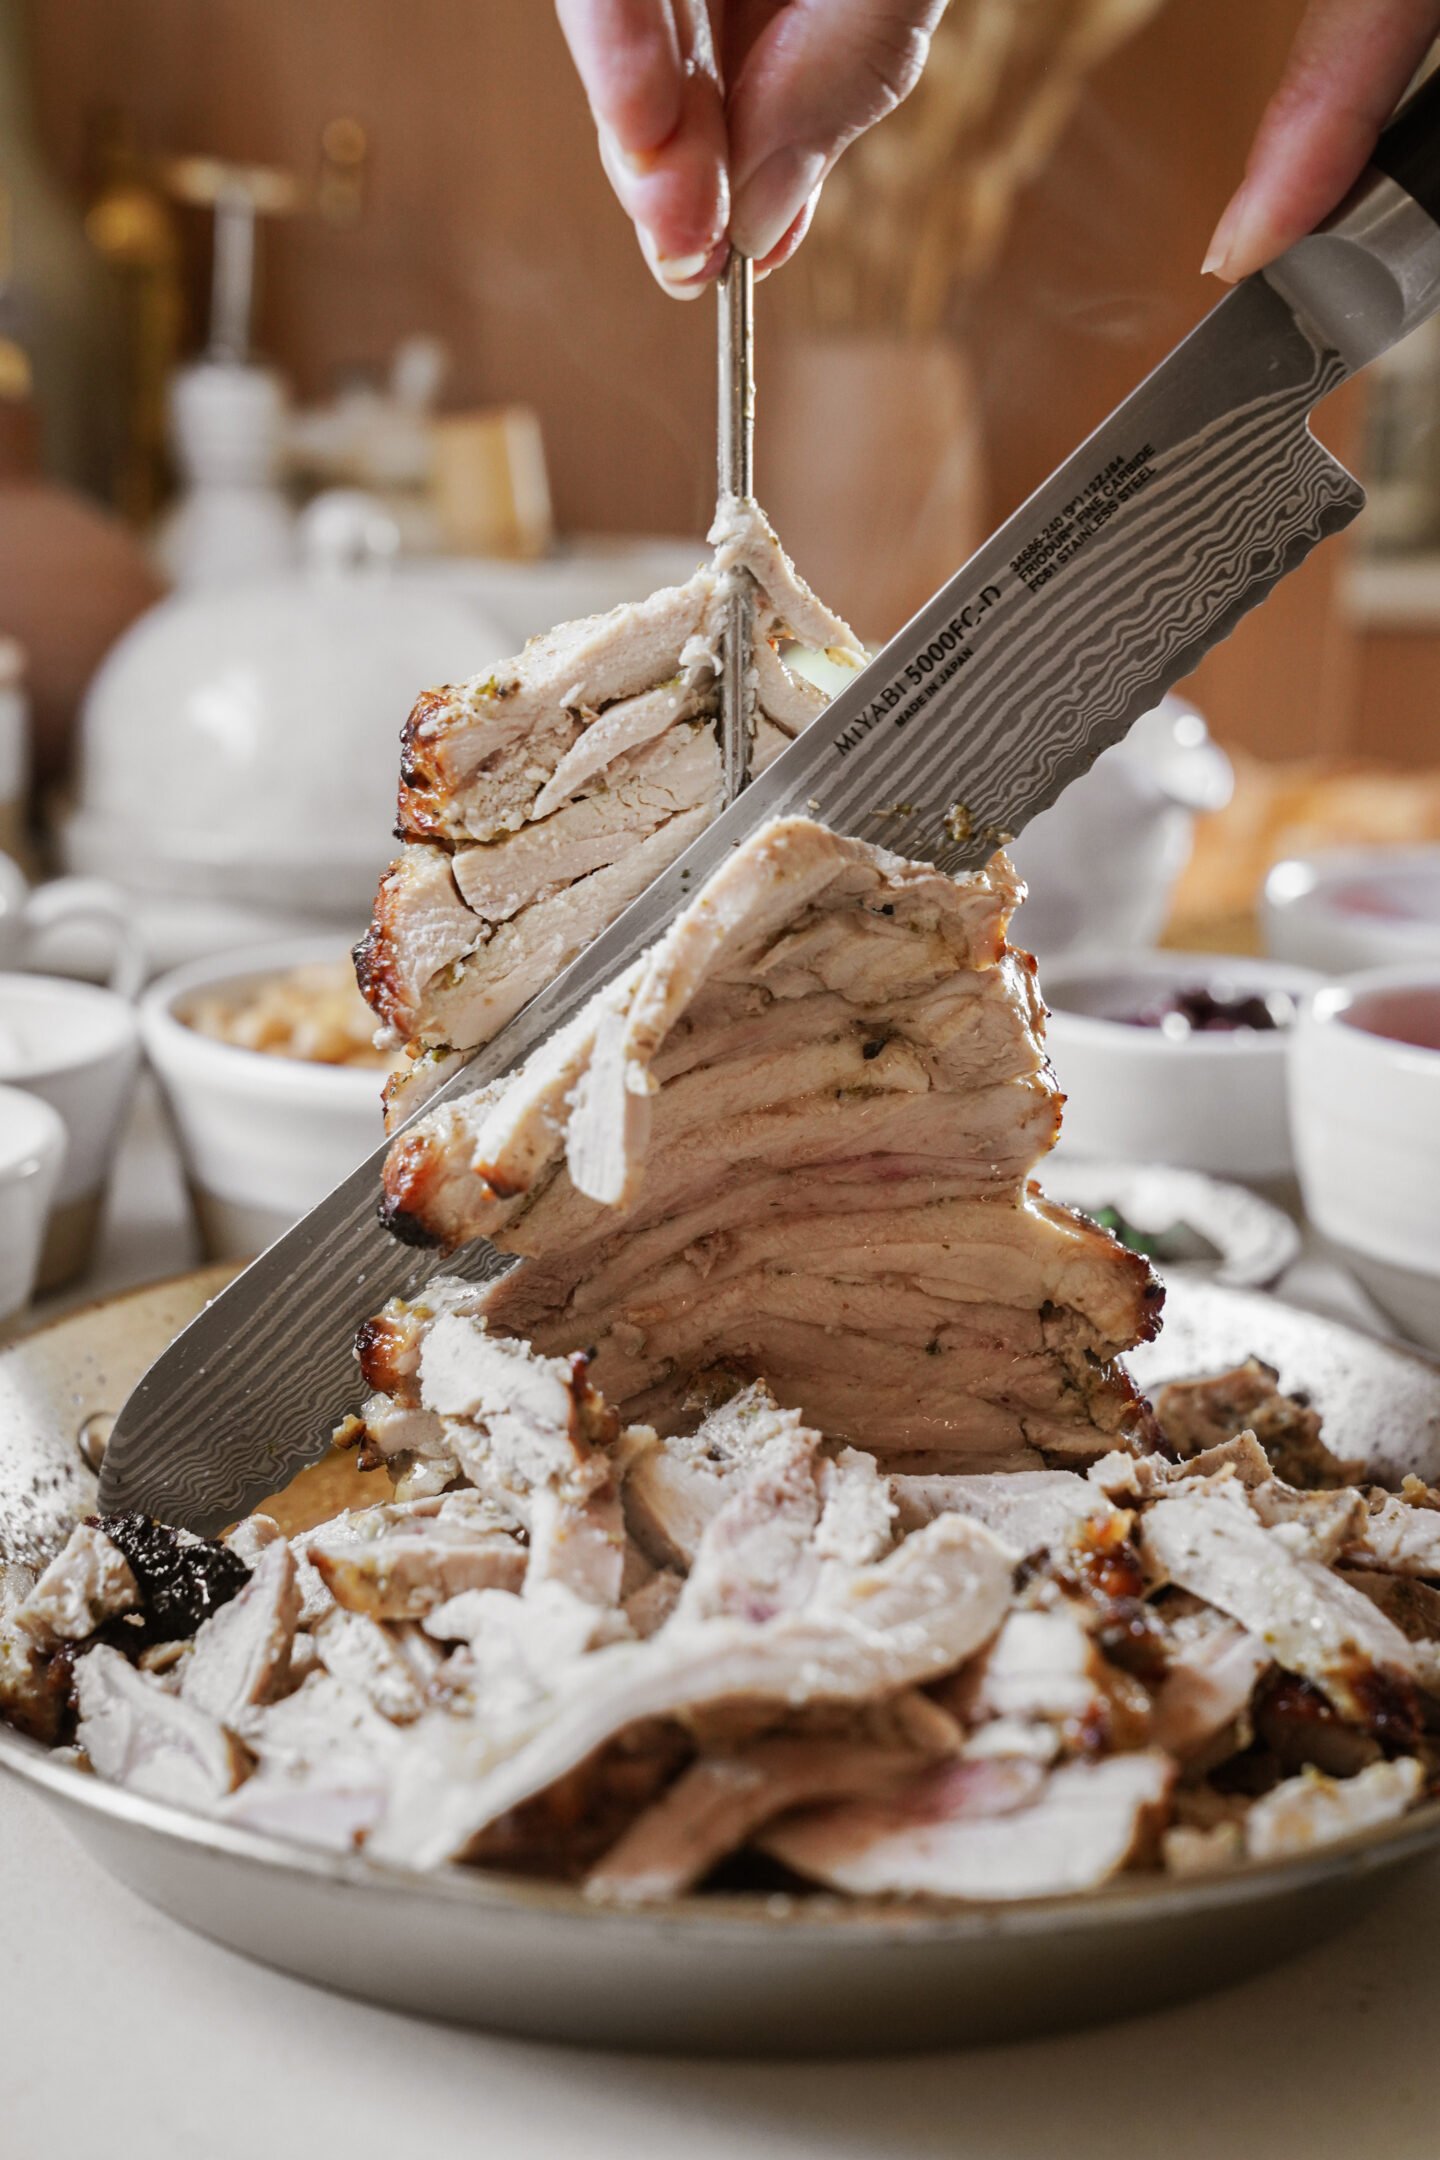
pixel 133 229
pixel 922 202
pixel 209 180
pixel 491 490
pixel 874 467
pixel 340 189
pixel 16 379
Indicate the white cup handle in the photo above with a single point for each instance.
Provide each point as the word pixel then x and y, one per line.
pixel 92 900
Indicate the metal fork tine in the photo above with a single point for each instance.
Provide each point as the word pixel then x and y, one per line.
pixel 736 376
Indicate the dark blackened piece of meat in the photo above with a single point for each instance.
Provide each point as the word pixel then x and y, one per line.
pixel 1296 1723
pixel 1198 1414
pixel 183 1579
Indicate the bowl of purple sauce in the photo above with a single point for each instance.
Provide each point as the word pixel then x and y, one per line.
pixel 1176 1057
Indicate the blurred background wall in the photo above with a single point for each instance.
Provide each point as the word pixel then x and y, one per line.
pixel 486 220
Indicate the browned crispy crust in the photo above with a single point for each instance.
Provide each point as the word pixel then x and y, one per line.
pixel 421 735
pixel 372 968
pixel 424 795
pixel 379 1346
pixel 415 1169
pixel 374 959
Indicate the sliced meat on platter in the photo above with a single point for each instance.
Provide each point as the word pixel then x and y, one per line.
pixel 786 1513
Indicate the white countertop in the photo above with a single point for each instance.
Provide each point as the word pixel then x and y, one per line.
pixel 124 2037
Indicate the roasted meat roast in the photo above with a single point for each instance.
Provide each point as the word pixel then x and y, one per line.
pixel 795 1142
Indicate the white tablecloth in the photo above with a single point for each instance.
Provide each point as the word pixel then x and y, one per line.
pixel 123 2037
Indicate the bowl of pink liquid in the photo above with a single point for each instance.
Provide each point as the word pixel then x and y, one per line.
pixel 1364 1080
pixel 1354 908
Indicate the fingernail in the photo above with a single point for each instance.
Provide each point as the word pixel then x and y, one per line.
pixel 676 274
pixel 680 276
pixel 1222 241
pixel 681 269
pixel 769 201
pixel 791 238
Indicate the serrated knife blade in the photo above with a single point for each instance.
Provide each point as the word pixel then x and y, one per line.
pixel 1178 515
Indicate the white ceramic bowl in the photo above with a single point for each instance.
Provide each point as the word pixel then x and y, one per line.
pixel 77 1048
pixel 263 1138
pixel 32 1148
pixel 1354 908
pixel 1212 1101
pixel 1365 1104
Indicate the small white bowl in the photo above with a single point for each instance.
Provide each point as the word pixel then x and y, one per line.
pixel 77 1048
pixel 263 1138
pixel 1205 1100
pixel 32 1148
pixel 1354 908
pixel 1366 1111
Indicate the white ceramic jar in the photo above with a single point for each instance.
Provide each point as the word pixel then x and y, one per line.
pixel 1365 1106
pixel 1212 1101
pixel 239 747
pixel 263 1138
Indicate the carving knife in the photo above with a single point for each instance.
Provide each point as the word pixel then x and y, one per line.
pixel 1180 513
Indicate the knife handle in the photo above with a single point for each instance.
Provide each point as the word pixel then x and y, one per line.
pixel 1370 274
pixel 1409 149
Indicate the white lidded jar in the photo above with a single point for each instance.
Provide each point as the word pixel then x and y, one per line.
pixel 239 748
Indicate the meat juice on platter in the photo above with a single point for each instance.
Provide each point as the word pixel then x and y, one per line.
pixel 787 1507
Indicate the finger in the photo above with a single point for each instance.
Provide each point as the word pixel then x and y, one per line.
pixel 678 195
pixel 653 90
pixel 1350 61
pixel 627 54
pixel 818 74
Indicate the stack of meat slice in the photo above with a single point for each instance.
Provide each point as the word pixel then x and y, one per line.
pixel 794 1142
pixel 536 802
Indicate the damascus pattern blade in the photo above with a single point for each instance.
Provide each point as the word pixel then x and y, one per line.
pixel 1146 548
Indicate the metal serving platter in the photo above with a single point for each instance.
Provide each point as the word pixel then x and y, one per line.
pixel 735 1975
